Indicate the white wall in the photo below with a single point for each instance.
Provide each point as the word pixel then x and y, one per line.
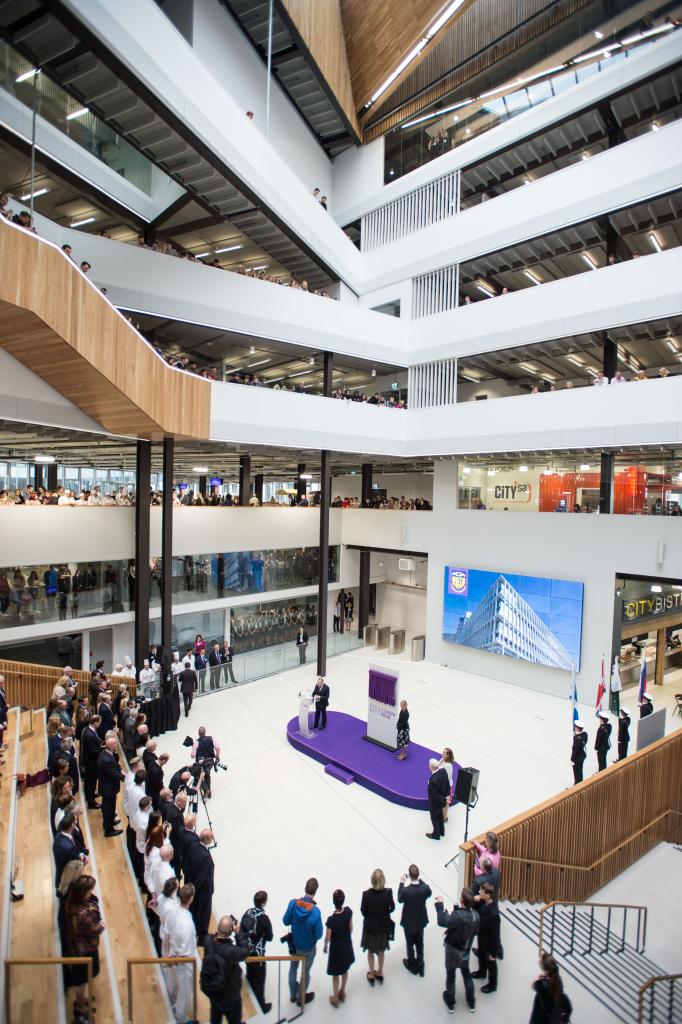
pixel 359 173
pixel 226 52
pixel 27 398
pixel 590 549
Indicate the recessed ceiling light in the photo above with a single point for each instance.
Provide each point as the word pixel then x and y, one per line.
pixel 655 242
pixel 200 469
pixel 492 472
pixel 261 362
pixel 584 467
pixel 229 248
pixel 528 366
pixel 80 223
pixel 523 469
pixel 671 344
pixel 77 113
pixel 44 458
pixel 532 277
pixel 466 469
pixel 200 255
pixel 655 589
pixel 486 291
pixel 588 259
pixel 305 476
pixel 262 266
pixel 34 195
pixel 598 34
pixel 576 359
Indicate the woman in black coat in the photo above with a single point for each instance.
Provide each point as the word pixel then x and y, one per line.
pixel 403 740
pixel 550 999
pixel 377 927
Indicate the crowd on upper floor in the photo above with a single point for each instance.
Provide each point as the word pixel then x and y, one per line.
pixel 383 503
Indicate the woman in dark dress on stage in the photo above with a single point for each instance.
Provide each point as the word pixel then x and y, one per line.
pixel 403 740
pixel 338 942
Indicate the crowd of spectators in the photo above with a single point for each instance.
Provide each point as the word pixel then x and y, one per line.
pixel 62 496
pixel 103 739
pixel 383 503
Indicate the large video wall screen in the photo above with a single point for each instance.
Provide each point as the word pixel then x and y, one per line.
pixel 527 617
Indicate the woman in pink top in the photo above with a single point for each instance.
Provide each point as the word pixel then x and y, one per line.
pixel 490 850
pixel 200 646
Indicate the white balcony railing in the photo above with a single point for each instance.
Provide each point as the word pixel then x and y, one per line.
pixel 418 209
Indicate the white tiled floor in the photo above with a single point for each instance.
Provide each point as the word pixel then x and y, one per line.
pixel 278 818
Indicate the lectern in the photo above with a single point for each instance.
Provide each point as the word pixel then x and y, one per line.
pixel 305 706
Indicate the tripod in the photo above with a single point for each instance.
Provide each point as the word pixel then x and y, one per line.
pixel 466 830
pixel 195 806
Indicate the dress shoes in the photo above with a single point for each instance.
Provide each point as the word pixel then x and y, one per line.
pixel 114 832
pixel 432 835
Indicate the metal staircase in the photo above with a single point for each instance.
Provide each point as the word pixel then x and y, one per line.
pixel 601 946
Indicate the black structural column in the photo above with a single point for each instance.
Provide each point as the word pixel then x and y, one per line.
pixel 52 476
pixel 258 486
pixel 366 492
pixel 363 602
pixel 167 547
pixel 244 479
pixel 323 580
pixel 610 358
pixel 606 483
pixel 203 486
pixel 301 485
pixel 142 490
pixel 328 375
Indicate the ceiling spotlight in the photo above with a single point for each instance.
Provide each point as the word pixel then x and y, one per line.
pixel 584 467
pixel 311 361
pixel 305 476
pixel 80 223
pixel 252 350
pixel 77 113
pixel 44 458
pixel 523 469
pixel 200 469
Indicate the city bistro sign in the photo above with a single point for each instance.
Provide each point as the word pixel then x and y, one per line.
pixel 650 607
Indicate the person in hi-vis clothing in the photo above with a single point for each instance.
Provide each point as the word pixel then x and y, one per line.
pixel 321 698
pixel 302 643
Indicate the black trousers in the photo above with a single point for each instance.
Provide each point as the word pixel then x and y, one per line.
pixel 201 913
pixel 601 759
pixel 414 942
pixel 187 699
pixel 320 716
pixel 438 826
pixel 255 974
pixel 622 751
pixel 90 786
pixel 108 812
pixel 578 773
pixel 130 843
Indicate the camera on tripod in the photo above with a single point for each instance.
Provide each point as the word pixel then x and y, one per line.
pixel 208 763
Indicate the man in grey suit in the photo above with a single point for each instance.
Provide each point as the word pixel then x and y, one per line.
pixel 413 894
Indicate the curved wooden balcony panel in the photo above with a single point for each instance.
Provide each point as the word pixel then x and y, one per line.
pixel 58 324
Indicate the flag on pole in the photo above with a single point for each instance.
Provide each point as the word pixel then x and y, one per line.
pixel 642 681
pixel 601 690
pixel 616 687
pixel 574 696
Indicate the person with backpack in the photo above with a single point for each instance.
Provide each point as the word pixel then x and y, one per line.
pixel 551 1004
pixel 304 918
pixel 221 976
pixel 256 927
pixel 462 927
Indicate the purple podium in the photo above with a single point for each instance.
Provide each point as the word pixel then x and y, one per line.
pixel 345 752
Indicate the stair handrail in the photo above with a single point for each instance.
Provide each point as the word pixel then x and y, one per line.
pixel 43 961
pixel 642 914
pixel 650 983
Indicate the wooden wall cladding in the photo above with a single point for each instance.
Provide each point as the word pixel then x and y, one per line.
pixel 379 35
pixel 569 847
pixel 320 26
pixel 58 324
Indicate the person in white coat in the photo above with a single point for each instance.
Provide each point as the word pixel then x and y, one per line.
pixel 182 941
pixel 129 669
pixel 148 680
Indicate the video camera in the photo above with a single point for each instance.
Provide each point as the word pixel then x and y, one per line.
pixel 207 763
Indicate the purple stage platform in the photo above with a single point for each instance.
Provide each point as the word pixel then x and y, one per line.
pixel 374 767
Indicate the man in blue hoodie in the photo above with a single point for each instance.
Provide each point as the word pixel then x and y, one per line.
pixel 304 918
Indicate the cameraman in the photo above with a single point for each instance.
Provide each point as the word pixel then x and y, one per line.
pixel 206 751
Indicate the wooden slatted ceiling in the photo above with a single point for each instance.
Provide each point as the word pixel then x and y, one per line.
pixel 379 34
pixel 321 29
pixel 58 325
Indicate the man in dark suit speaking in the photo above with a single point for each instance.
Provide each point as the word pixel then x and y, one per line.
pixel 439 794
pixel 413 894
pixel 321 698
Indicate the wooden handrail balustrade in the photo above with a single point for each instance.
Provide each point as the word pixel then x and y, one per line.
pixel 31 686
pixel 42 961
pixel 570 846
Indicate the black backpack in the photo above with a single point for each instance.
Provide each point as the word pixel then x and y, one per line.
pixel 212 977
pixel 247 928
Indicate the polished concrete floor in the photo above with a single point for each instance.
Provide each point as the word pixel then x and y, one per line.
pixel 279 819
